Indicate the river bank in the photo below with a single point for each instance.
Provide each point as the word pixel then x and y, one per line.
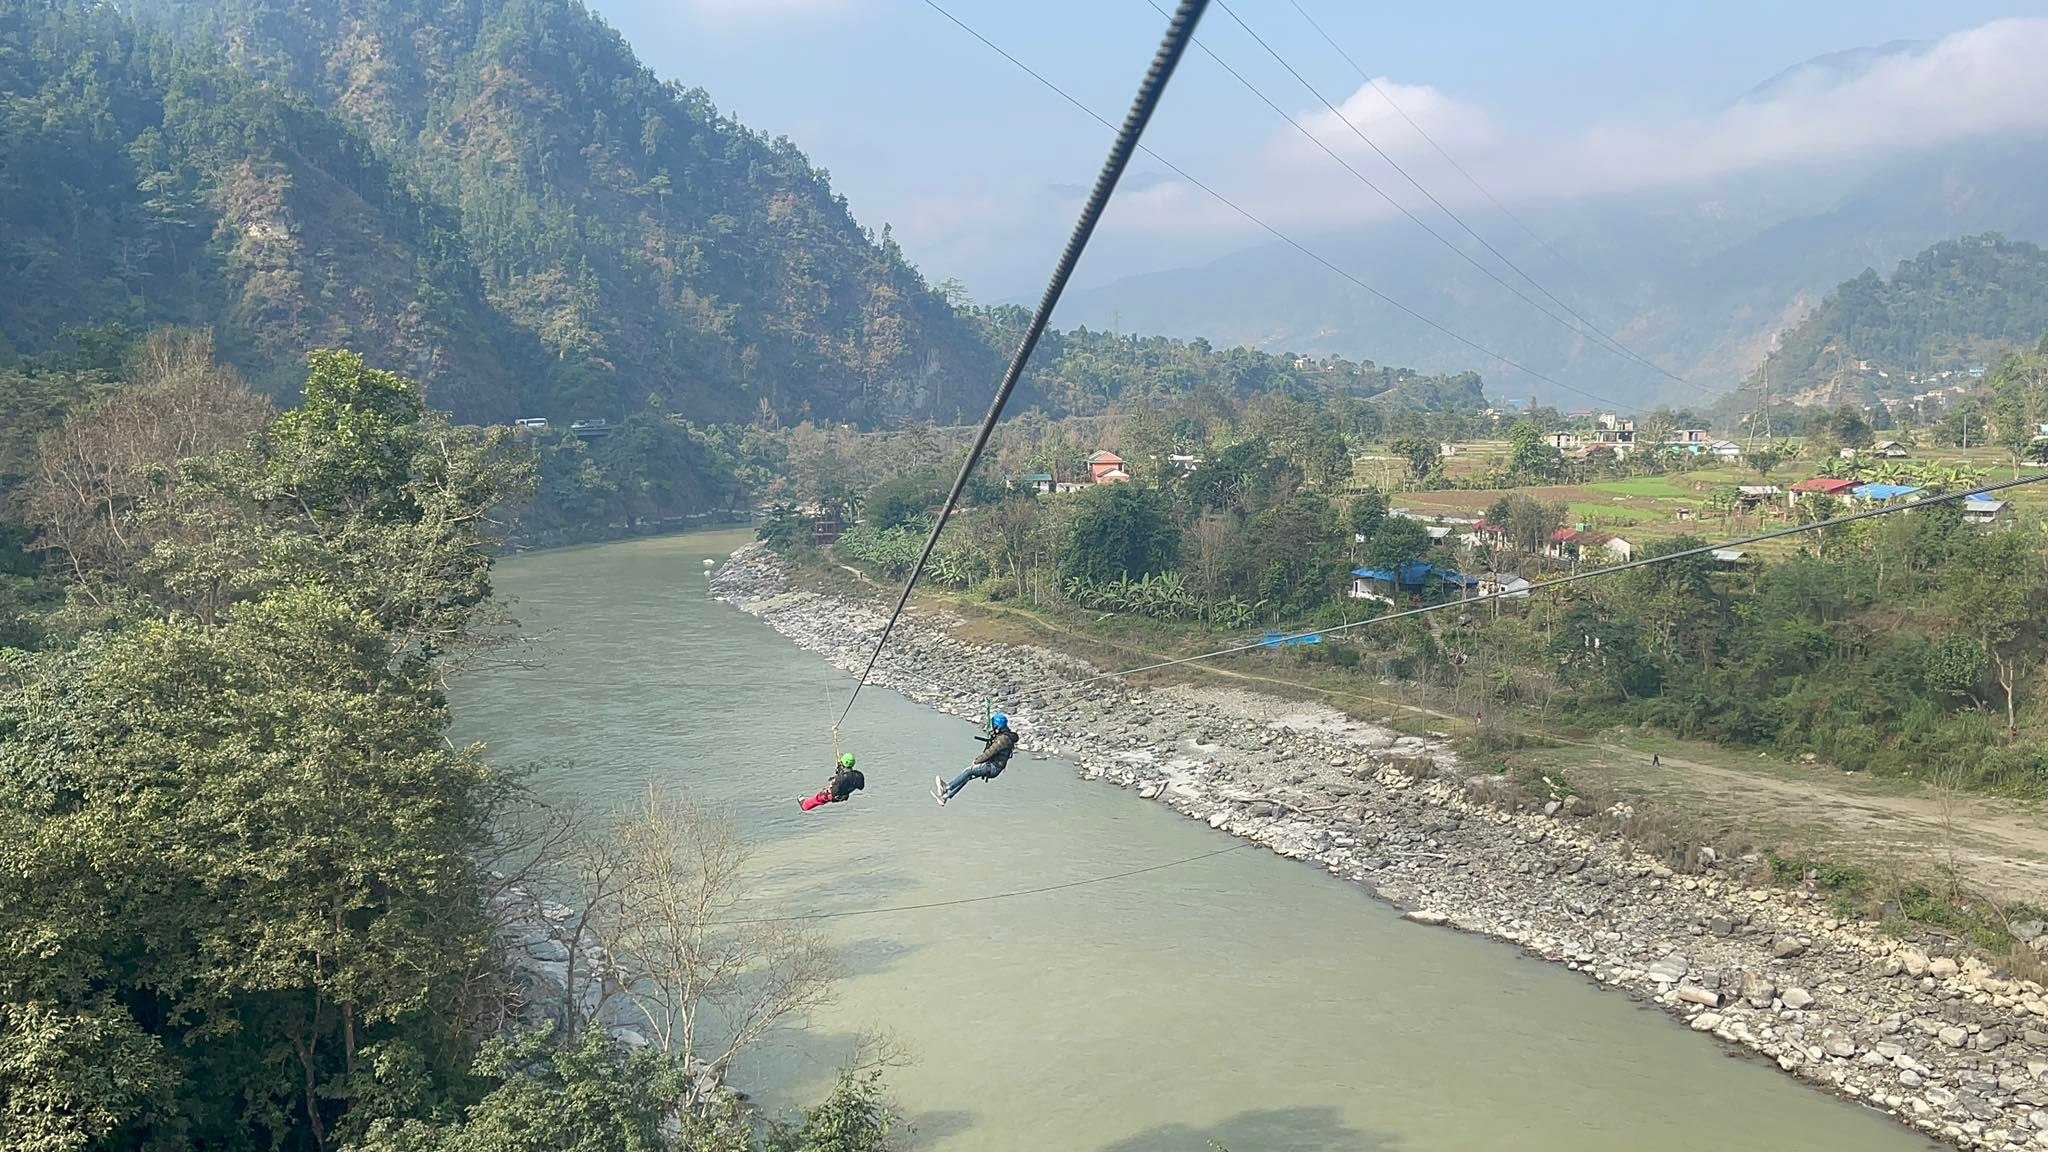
pixel 1942 1044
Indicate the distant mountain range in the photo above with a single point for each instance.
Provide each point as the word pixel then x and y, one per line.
pixel 1961 304
pixel 1697 281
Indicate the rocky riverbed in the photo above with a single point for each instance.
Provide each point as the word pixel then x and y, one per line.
pixel 1942 1043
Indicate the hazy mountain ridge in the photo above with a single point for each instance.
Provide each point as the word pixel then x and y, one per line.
pixel 1699 280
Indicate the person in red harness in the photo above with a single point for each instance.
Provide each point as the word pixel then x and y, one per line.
pixel 845 782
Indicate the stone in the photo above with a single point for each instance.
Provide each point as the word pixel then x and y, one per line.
pixel 1991 1039
pixel 1840 1047
pixel 2028 931
pixel 1942 968
pixel 1720 926
pixel 1758 990
pixel 1909 1078
pixel 1706 1022
pixel 1668 970
pixel 1798 999
pixel 1953 1037
pixel 1786 947
pixel 1430 918
pixel 1914 961
pixel 1694 994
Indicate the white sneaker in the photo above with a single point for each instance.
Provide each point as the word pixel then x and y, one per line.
pixel 939 790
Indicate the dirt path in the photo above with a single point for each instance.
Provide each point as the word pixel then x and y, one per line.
pixel 2000 845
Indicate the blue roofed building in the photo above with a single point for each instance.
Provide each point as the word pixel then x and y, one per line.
pixel 1413 578
pixel 1883 493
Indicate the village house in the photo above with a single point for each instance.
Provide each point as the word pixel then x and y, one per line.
pixel 1889 450
pixel 1564 441
pixel 1822 486
pixel 1578 545
pixel 1185 463
pixel 1684 437
pixel 1107 468
pixel 1385 585
pixel 1506 585
pixel 1982 510
pixel 1485 535
pixel 1882 493
pixel 1750 497
pixel 1039 482
pixel 1725 450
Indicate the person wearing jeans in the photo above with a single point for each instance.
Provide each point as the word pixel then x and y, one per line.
pixel 1001 744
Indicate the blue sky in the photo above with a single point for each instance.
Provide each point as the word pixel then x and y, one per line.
pixel 976 166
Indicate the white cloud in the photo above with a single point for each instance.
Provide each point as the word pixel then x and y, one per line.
pixel 1983 82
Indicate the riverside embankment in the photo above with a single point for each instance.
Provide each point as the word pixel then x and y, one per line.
pixel 1942 1043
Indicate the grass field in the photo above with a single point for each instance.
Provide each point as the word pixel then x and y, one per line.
pixel 1646 487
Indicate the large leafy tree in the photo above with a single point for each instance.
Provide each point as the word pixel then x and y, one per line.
pixel 242 853
pixel 1121 530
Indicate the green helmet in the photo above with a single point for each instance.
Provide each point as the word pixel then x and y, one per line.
pixel 846 761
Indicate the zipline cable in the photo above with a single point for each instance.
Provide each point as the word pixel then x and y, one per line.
pixel 1601 338
pixel 1574 578
pixel 1284 238
pixel 1179 31
pixel 978 899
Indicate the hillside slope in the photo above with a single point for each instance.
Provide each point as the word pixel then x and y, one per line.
pixel 1960 303
pixel 492 195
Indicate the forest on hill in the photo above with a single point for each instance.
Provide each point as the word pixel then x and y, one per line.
pixel 1961 304
pixel 496 198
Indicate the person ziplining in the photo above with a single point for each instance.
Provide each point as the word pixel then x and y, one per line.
pixel 846 780
pixel 997 748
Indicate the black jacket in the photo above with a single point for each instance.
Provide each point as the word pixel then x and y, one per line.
pixel 1000 746
pixel 846 782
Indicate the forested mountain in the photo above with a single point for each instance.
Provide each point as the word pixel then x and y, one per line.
pixel 491 195
pixel 1959 304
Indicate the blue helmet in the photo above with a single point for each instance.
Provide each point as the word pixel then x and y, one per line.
pixel 999 722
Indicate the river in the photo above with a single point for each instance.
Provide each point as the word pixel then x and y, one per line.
pixel 1242 999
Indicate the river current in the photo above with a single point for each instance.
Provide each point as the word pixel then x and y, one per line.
pixel 1244 999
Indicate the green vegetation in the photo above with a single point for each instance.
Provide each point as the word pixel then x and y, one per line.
pixel 254 895
pixel 1960 303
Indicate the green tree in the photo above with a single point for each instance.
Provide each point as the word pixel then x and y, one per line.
pixel 1398 541
pixel 903 499
pixel 1532 458
pixel 1420 453
pixel 1120 530
pixel 1368 512
pixel 854 1118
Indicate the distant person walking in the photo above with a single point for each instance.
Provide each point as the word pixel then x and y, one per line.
pixel 999 745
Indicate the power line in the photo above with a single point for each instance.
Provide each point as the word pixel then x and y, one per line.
pixel 1283 237
pixel 1574 578
pixel 1382 193
pixel 979 899
pixel 1601 338
pixel 1179 31
pixel 1367 77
